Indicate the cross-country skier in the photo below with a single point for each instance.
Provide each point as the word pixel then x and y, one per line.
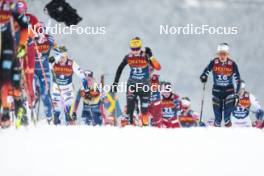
pixel 241 113
pixel 140 61
pixel 170 105
pixel 63 68
pixel 187 117
pixel 155 99
pixel 29 60
pixel 224 94
pixel 42 78
pixel 92 113
pixel 12 17
pixel 21 37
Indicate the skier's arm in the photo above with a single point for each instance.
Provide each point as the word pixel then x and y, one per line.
pixel 77 70
pixel 206 72
pixel 256 105
pixel 120 70
pixel 237 77
pixel 77 101
pixel 23 23
pixel 21 18
pixel 208 69
pixel 53 44
pixel 54 59
pixel 176 101
pixel 80 73
pixel 152 60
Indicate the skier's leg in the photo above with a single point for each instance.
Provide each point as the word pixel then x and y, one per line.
pixel 84 117
pixel 36 88
pixel 174 122
pixel 7 54
pixel 45 95
pixel 229 104
pixel 155 111
pixel 89 118
pixel 85 114
pixel 29 66
pixel 56 100
pixel 131 101
pixel 144 97
pixel 68 97
pixel 20 110
pixel 6 63
pixel 5 119
pixel 217 107
pixel 97 115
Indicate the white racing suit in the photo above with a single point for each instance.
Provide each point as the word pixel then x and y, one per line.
pixel 241 113
pixel 63 89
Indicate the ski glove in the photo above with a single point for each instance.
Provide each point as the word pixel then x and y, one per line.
pixel 148 52
pixel 259 114
pixel 74 116
pixel 114 87
pixel 203 78
pixel 63 49
pixel 87 95
pixel 51 59
pixel 21 51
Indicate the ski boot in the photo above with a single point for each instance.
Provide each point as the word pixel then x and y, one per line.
pixel 258 124
pixel 21 117
pixel 50 120
pixel 124 121
pixel 5 119
pixel 228 124
pixel 73 118
pixel 144 119
pixel 56 121
pixel 201 124
pixel 70 120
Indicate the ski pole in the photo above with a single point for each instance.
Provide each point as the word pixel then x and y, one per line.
pixel 202 104
pixel 38 108
pixel 1 42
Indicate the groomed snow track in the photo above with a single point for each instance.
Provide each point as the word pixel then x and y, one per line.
pixel 91 151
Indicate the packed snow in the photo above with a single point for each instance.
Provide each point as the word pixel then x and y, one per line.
pixel 82 151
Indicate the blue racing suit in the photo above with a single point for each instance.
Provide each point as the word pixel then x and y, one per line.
pixel 223 89
pixel 42 77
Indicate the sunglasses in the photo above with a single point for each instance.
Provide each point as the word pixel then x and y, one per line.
pixel 135 49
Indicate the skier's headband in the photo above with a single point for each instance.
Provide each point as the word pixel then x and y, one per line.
pixel 223 48
pixel 185 103
pixel 135 44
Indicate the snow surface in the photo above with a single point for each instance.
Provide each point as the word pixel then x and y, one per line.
pixel 83 151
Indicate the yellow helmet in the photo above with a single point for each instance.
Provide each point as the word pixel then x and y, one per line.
pixel 135 43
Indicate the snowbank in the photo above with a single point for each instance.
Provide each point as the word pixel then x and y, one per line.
pixel 79 151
